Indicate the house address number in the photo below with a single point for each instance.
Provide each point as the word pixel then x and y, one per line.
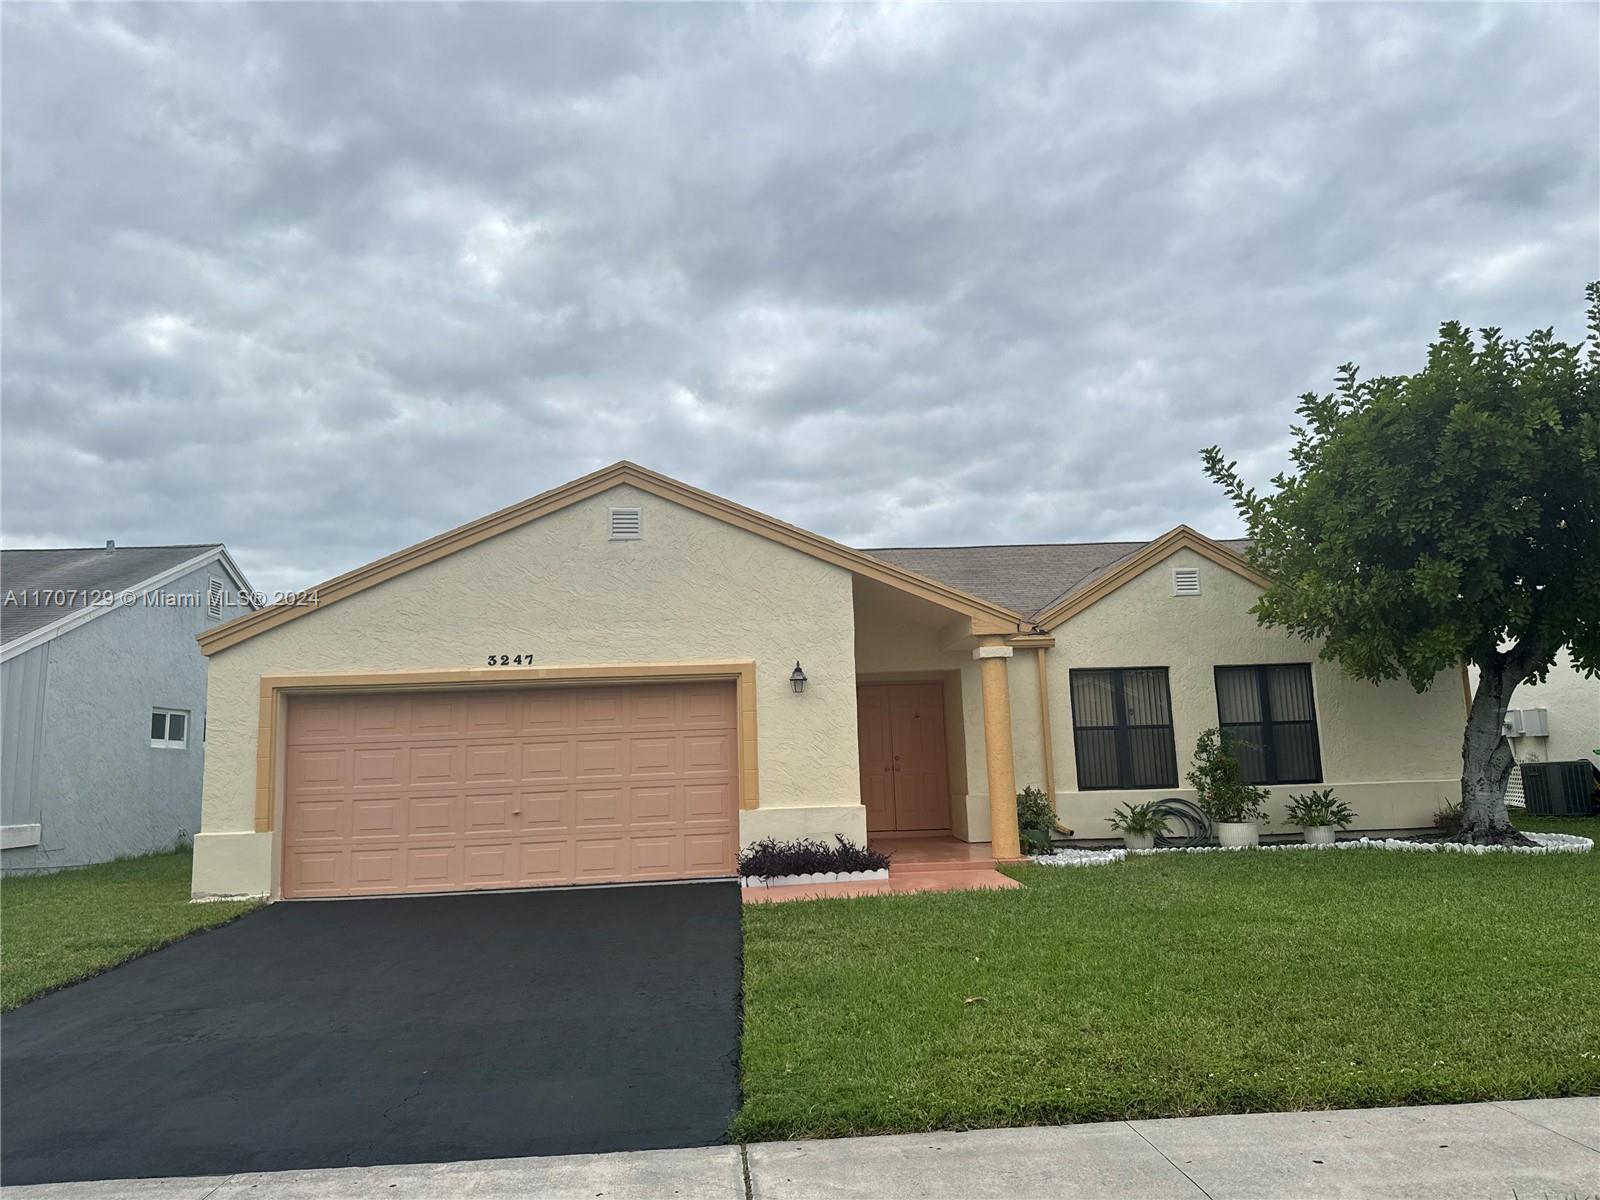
pixel 510 660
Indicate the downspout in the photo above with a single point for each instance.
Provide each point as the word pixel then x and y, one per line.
pixel 1044 726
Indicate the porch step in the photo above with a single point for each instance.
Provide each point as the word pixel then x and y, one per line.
pixel 910 865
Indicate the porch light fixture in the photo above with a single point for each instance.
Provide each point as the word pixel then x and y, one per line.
pixel 797 678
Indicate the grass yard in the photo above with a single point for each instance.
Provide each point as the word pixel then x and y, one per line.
pixel 58 929
pixel 1174 985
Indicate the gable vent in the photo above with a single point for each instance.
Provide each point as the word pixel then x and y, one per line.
pixel 627 524
pixel 216 597
pixel 1185 581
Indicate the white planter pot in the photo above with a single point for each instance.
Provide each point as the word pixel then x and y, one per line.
pixel 1321 835
pixel 1238 833
pixel 1139 841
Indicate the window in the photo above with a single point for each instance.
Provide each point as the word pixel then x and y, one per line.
pixel 627 524
pixel 169 729
pixel 1269 720
pixel 1122 729
pixel 215 598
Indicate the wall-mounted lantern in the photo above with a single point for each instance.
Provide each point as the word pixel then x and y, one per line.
pixel 797 678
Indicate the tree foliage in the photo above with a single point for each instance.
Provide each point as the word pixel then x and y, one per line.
pixel 1443 517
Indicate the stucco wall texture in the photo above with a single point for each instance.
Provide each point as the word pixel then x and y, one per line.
pixel 691 589
pixel 1392 755
pixel 100 789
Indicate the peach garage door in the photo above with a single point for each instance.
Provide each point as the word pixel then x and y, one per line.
pixel 446 791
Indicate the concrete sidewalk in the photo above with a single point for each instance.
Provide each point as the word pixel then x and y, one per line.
pixel 1532 1149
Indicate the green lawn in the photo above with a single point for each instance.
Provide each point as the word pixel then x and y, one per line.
pixel 1173 985
pixel 58 929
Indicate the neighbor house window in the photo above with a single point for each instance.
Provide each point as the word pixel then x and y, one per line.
pixel 169 729
pixel 1122 729
pixel 1269 720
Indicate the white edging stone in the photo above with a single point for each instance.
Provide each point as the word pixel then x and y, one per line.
pixel 1549 843
pixel 814 878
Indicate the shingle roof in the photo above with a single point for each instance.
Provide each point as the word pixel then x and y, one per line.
pixel 1025 579
pixel 83 570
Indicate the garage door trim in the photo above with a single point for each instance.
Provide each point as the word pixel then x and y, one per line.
pixel 276 690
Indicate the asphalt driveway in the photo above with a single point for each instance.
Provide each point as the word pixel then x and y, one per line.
pixel 416 1029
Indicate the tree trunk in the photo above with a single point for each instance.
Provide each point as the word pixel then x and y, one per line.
pixel 1486 761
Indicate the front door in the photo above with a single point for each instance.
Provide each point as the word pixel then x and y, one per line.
pixel 905 782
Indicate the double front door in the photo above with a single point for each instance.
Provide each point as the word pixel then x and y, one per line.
pixel 905 780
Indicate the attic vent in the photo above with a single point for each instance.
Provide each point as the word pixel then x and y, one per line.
pixel 627 524
pixel 214 597
pixel 1185 581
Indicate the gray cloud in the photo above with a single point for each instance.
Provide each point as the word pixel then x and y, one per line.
pixel 320 281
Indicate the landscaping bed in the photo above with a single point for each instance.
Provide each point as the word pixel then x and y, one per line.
pixel 57 929
pixel 1177 984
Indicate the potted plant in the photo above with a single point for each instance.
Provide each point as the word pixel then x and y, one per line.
pixel 1319 814
pixel 1139 824
pixel 1235 808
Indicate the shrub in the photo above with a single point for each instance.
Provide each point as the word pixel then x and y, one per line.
pixel 1320 807
pixel 1036 818
pixel 1216 776
pixel 1139 818
pixel 808 856
pixel 1447 818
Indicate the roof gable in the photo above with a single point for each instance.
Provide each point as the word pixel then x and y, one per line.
pixel 72 577
pixel 994 617
pixel 1108 579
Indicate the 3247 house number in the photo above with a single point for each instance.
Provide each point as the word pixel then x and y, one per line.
pixel 511 660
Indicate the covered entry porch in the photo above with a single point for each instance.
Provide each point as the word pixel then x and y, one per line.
pixel 938 696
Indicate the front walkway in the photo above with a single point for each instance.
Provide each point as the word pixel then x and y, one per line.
pixel 1526 1148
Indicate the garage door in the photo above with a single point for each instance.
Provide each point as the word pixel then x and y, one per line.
pixel 449 791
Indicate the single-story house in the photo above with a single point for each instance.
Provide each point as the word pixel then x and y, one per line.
pixel 627 678
pixel 105 698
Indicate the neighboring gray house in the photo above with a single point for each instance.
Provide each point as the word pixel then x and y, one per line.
pixel 103 728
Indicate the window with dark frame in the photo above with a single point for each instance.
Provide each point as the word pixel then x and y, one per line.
pixel 1268 718
pixel 1122 728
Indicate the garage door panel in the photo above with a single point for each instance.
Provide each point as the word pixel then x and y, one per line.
pixel 436 791
pixel 378 766
pixel 545 812
pixel 711 803
pixel 600 808
pixel 547 760
pixel 325 819
pixel 708 754
pixel 433 816
pixel 545 862
pixel 654 755
pixel 599 758
pixel 495 762
pixel 601 859
pixel 318 719
pixel 544 713
pixel 376 817
pixel 431 765
pixel 602 709
pixel 378 717
pixel 655 805
pixel 318 770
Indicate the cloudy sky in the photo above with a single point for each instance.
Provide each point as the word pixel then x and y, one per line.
pixel 321 281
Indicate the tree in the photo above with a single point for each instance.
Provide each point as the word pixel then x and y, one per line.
pixel 1443 518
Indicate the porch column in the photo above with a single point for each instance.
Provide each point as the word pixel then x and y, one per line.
pixel 992 653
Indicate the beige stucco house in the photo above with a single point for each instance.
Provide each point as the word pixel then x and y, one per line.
pixel 601 684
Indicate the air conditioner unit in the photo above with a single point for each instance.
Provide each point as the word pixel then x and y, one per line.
pixel 1536 722
pixel 1558 789
pixel 1511 723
